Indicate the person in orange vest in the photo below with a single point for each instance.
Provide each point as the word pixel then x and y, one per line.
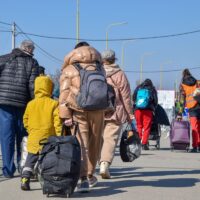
pixel 187 87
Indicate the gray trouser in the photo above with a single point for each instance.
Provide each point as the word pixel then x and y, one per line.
pixel 29 165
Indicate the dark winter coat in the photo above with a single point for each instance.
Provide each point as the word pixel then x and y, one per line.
pixel 160 116
pixel 153 99
pixel 18 71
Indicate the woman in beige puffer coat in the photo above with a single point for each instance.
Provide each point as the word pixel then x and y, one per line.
pixel 91 123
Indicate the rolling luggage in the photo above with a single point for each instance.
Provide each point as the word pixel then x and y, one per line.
pixel 59 163
pixel 180 135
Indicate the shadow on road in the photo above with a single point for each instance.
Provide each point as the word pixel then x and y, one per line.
pixel 119 173
pixel 112 188
pixel 2 178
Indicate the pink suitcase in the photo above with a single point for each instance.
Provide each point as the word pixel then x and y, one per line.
pixel 180 135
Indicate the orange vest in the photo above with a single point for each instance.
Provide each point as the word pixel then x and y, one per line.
pixel 189 100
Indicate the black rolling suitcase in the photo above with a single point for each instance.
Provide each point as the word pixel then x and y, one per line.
pixel 59 164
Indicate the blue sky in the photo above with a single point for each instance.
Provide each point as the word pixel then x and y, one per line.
pixel 144 18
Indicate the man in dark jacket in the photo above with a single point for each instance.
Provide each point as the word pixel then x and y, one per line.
pixel 18 71
pixel 145 102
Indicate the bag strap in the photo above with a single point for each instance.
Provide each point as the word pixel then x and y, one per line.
pixel 67 129
pixel 55 145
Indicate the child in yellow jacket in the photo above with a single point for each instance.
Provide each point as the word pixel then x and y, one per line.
pixel 41 120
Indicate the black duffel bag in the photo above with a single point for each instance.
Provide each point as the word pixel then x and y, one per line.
pixel 59 163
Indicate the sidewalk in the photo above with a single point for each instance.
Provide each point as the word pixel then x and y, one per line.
pixel 156 175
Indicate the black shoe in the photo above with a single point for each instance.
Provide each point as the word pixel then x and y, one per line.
pixel 194 150
pixel 145 147
pixel 25 184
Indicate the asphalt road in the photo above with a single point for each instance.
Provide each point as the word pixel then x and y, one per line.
pixel 156 175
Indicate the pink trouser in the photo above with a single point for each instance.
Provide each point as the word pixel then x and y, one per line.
pixel 91 124
pixel 110 139
pixel 144 122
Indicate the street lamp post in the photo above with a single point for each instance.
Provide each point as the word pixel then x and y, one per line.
pixel 109 26
pixel 122 56
pixel 141 64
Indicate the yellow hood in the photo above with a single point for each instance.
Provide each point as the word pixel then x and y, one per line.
pixel 43 86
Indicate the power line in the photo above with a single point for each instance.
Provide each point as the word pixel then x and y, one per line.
pixel 6 31
pixel 66 38
pixel 41 49
pixel 113 40
pixel 44 51
pixel 160 71
pixel 5 23
pixel 103 40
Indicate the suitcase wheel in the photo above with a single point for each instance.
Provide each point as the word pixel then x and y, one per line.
pixel 67 195
pixel 158 144
pixel 68 192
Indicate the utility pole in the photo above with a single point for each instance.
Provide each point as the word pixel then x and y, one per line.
pixel 13 35
pixel 77 21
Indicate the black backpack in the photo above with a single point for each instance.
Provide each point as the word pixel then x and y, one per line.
pixel 95 93
pixel 59 163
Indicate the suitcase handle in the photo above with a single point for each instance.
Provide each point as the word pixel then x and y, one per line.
pixel 65 130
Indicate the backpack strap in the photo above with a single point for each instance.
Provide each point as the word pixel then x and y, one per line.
pixel 78 66
pixel 98 66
